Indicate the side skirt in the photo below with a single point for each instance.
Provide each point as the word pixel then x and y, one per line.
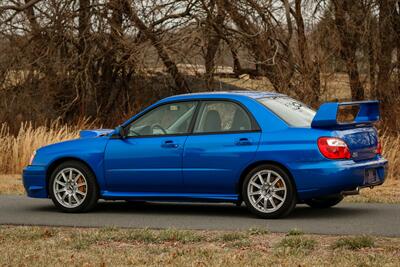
pixel 169 196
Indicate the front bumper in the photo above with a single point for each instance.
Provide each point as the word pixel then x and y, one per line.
pixel 333 177
pixel 34 179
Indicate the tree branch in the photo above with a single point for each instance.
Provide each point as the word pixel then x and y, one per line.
pixel 19 8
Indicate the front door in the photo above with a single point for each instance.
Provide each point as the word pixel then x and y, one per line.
pixel 149 158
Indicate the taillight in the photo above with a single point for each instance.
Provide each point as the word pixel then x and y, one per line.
pixel 333 148
pixel 378 148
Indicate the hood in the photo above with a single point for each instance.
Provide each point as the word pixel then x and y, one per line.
pixel 94 133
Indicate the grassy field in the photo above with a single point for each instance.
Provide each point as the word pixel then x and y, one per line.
pixel 43 246
pixel 11 185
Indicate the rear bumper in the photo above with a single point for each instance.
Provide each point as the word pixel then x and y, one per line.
pixel 34 179
pixel 333 177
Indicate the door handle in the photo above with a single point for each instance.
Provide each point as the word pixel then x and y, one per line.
pixel 169 144
pixel 243 142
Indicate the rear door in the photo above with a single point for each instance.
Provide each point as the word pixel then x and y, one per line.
pixel 225 139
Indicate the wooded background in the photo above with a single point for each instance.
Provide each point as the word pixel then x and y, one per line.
pixel 106 59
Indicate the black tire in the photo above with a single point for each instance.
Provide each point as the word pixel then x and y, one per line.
pixel 324 202
pixel 92 191
pixel 289 201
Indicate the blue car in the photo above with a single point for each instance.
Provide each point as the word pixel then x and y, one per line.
pixel 261 148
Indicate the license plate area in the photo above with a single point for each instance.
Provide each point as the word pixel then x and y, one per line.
pixel 370 176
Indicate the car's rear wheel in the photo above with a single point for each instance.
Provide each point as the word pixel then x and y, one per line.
pixel 73 188
pixel 324 202
pixel 269 192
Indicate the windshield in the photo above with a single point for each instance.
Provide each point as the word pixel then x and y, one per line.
pixel 293 112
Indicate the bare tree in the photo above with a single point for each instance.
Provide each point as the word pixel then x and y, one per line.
pixel 107 58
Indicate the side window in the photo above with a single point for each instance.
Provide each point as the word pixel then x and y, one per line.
pixel 173 118
pixel 222 116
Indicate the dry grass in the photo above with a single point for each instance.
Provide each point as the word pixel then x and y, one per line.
pixel 391 147
pixel 44 246
pixel 389 192
pixel 11 185
pixel 16 151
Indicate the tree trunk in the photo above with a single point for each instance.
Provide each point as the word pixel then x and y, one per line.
pixel 398 67
pixel 349 40
pixel 237 67
pixel 115 74
pixel 84 21
pixel 213 41
pixel 396 24
pixel 357 89
pixel 30 14
pixel 88 99
pixel 310 70
pixel 386 48
pixel 372 58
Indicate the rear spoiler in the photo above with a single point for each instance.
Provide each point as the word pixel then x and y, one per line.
pixel 327 114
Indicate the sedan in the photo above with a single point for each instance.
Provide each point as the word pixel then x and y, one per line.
pixel 261 148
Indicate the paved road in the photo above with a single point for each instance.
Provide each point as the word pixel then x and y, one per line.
pixel 374 219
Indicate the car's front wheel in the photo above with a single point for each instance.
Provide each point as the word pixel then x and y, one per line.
pixel 269 192
pixel 73 188
pixel 324 202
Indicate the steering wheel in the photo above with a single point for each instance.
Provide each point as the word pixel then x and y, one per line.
pixel 157 126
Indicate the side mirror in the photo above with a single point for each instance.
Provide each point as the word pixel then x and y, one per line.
pixel 119 132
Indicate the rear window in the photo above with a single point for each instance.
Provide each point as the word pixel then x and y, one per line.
pixel 293 112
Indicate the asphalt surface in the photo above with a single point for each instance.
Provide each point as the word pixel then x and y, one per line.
pixel 346 218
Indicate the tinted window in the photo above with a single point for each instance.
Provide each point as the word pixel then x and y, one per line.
pixel 291 111
pixel 222 116
pixel 172 118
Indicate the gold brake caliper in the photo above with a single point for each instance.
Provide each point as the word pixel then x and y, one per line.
pixel 81 188
pixel 279 184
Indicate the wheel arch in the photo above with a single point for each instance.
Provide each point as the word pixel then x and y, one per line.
pixel 59 161
pixel 256 164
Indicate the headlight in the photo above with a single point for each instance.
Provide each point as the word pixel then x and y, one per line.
pixel 32 157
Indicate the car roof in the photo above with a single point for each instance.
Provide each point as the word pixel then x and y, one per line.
pixel 222 94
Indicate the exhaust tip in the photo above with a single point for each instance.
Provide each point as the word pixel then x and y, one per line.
pixel 351 192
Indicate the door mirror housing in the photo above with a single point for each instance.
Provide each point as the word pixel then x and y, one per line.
pixel 119 132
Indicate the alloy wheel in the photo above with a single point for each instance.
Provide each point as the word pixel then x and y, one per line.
pixel 70 187
pixel 267 191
